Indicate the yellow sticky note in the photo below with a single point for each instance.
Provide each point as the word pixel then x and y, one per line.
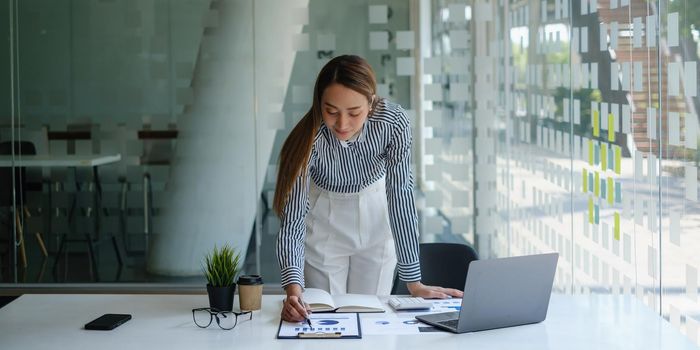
pixel 590 209
pixel 585 180
pixel 611 191
pixel 618 159
pixel 603 155
pixel 617 226
pixel 611 128
pixel 590 152
pixel 596 185
pixel 596 124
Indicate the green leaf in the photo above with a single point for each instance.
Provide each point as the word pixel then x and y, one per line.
pixel 221 266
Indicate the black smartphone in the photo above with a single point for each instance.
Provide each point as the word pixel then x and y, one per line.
pixel 107 322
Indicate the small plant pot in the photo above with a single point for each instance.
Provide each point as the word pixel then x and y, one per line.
pixel 221 298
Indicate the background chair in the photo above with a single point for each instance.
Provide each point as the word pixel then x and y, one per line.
pixel 441 264
pixel 21 185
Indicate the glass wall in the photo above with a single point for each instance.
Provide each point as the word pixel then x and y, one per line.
pixel 679 29
pixel 446 122
pixel 539 125
pixel 122 106
pixel 595 130
pixel 139 134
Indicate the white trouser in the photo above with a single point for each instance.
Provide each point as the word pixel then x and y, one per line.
pixel 349 245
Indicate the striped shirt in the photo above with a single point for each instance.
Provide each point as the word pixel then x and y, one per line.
pixel 383 148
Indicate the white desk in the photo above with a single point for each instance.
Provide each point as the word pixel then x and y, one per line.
pixel 165 322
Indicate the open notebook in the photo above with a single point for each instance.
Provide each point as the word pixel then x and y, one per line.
pixel 321 301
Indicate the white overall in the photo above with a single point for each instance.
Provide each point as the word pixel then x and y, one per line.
pixel 349 245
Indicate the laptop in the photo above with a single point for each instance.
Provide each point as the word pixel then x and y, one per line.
pixel 501 293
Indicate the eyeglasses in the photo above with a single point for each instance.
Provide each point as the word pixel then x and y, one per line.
pixel 225 319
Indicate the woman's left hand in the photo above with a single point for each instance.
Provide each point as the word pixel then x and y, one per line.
pixel 419 289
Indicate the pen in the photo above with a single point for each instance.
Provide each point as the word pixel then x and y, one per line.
pixel 308 320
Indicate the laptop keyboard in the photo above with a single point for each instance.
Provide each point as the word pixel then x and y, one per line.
pixel 449 323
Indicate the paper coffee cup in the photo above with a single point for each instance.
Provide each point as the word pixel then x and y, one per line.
pixel 250 292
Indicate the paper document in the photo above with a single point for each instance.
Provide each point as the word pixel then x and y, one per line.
pixel 404 322
pixel 447 305
pixel 346 324
pixel 395 324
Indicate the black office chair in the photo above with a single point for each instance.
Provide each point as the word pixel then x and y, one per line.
pixel 441 264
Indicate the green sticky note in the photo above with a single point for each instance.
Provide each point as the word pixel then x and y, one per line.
pixel 618 159
pixel 617 226
pixel 596 185
pixel 590 210
pixel 611 191
pixel 603 155
pixel 596 124
pixel 590 152
pixel 585 180
pixel 611 128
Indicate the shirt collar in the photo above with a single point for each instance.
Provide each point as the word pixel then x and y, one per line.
pixel 359 137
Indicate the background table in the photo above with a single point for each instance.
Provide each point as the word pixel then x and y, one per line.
pixel 58 161
pixel 165 322
pixel 72 161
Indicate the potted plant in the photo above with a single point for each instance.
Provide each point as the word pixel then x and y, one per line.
pixel 221 267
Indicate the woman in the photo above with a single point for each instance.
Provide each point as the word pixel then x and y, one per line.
pixel 345 193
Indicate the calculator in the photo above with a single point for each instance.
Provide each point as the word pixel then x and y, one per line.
pixel 409 303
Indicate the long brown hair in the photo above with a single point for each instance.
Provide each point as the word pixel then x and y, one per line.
pixel 350 71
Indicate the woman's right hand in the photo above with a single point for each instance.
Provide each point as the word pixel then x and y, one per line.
pixel 293 308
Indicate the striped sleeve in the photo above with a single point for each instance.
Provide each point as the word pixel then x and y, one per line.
pixel 290 241
pixel 402 211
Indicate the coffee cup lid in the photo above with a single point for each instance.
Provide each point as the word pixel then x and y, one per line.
pixel 250 280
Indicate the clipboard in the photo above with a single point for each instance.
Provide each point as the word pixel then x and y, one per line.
pixel 324 328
